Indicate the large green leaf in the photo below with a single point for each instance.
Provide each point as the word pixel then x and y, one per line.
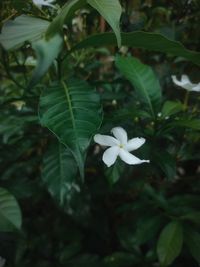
pixel 64 17
pixel 139 39
pixel 10 213
pixel 46 52
pixel 170 243
pixel 111 10
pixel 72 112
pixel 23 28
pixel 59 173
pixel 144 81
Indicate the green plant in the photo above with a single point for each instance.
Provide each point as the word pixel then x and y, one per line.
pixel 65 80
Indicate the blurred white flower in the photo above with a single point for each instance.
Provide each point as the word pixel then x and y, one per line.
pixel 119 146
pixel 2 261
pixel 186 83
pixel 77 24
pixel 41 3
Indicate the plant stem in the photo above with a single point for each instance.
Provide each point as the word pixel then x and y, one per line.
pixel 186 98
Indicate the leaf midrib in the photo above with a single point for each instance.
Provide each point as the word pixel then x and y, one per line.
pixel 70 107
pixel 77 155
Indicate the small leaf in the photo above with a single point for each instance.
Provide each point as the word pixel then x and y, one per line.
pixel 72 112
pixel 23 28
pixel 111 11
pixel 144 81
pixel 193 217
pixel 147 228
pixel 170 108
pixel 120 259
pixel 46 52
pixel 69 251
pixel 59 173
pixel 170 243
pixel 192 239
pixel 10 213
pixel 114 172
pixel 145 40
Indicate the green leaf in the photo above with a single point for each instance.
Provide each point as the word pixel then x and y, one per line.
pixel 166 162
pixel 143 232
pixel 170 243
pixel 192 239
pixel 187 123
pixel 46 52
pixel 144 81
pixel 69 251
pixel 170 108
pixel 59 173
pixel 193 217
pixel 139 39
pixel 23 28
pixel 72 112
pixel 114 172
pixel 111 11
pixel 10 213
pixel 120 259
pixel 64 17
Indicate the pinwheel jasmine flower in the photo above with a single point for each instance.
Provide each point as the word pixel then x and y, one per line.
pixel 41 3
pixel 119 146
pixel 186 83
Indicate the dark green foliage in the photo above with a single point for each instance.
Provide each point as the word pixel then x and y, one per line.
pixel 65 78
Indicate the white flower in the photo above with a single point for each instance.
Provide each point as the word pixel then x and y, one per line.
pixel 41 3
pixel 119 146
pixel 186 83
pixel 2 261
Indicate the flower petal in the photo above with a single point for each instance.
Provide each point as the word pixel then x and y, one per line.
pixel 129 158
pixel 40 3
pixel 135 143
pixel 184 82
pixel 196 88
pixel 185 79
pixel 110 155
pixel 120 134
pixel 105 140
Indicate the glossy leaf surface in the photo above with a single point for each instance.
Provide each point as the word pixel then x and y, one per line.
pixel 72 112
pixel 23 28
pixel 59 173
pixel 111 11
pixel 46 52
pixel 139 39
pixel 169 243
pixel 144 81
